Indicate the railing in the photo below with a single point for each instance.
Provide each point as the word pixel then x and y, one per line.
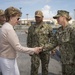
pixel 21 27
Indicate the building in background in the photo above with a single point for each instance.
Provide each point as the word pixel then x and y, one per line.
pixel 31 20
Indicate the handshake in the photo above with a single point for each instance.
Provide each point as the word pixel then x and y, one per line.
pixel 37 50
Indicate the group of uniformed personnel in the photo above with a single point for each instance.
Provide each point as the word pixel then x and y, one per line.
pixel 40 34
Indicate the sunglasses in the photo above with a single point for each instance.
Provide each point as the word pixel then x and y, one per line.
pixel 18 18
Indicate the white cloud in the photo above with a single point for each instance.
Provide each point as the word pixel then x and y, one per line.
pixel 47 11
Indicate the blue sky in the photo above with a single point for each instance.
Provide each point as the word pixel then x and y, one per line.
pixel 48 7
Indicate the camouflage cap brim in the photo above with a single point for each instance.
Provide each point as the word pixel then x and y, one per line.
pixel 55 17
pixel 38 16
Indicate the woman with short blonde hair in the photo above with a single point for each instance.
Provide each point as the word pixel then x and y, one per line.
pixel 9 43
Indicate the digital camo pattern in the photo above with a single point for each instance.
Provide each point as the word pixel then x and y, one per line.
pixel 65 39
pixel 39 35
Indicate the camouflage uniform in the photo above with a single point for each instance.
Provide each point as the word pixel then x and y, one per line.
pixel 39 35
pixel 1 22
pixel 67 49
pixel 2 18
pixel 65 39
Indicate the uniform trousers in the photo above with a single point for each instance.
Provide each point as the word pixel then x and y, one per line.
pixel 68 69
pixel 35 63
pixel 9 66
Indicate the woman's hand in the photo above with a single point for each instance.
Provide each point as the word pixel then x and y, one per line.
pixel 37 50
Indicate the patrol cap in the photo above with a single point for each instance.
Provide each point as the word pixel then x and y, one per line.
pixel 1 12
pixel 39 13
pixel 62 13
